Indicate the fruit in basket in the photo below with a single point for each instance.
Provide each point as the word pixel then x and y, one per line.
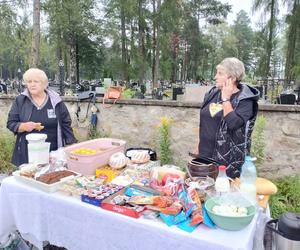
pixel 84 151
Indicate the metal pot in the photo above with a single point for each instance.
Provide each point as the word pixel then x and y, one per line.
pixel 286 231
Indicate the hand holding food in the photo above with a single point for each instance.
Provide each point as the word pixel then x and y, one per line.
pixel 28 126
pixel 39 126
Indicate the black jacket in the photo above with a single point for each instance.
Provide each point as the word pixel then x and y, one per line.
pixel 21 111
pixel 232 146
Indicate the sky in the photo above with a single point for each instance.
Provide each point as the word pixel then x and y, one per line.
pixel 246 5
pixel 238 5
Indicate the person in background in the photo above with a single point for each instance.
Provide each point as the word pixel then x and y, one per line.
pixel 227 117
pixel 38 110
pixel 3 87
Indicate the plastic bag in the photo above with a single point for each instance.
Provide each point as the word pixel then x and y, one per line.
pixel 58 158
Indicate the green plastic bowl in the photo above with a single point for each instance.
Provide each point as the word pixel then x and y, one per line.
pixel 231 223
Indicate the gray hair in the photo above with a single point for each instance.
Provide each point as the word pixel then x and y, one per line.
pixel 234 67
pixel 36 72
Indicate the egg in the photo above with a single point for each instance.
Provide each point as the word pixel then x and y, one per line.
pixel 242 211
pixel 216 209
pixel 230 210
pixel 233 208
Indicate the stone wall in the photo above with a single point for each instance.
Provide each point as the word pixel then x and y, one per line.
pixel 135 121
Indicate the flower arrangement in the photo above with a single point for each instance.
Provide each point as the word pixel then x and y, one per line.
pixel 164 140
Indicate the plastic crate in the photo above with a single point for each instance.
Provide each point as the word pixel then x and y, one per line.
pixel 87 164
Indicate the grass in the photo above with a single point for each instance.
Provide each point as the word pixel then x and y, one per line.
pixel 258 141
pixel 7 142
pixel 287 199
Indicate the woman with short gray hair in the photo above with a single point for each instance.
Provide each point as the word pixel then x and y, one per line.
pixel 227 117
pixel 38 110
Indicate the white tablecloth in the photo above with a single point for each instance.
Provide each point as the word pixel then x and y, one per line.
pixel 68 222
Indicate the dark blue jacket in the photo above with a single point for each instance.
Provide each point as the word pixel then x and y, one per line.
pixel 21 111
pixel 232 146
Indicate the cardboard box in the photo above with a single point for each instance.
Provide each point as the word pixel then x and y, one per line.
pixel 90 200
pixel 106 204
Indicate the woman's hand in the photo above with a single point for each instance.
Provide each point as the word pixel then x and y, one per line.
pixel 28 126
pixel 228 89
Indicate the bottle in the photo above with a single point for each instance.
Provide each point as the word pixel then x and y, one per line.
pixel 248 180
pixel 222 184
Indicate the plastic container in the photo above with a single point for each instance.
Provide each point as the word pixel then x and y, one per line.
pixel 36 138
pixel 87 164
pixel 49 188
pixel 222 184
pixel 38 149
pixel 248 180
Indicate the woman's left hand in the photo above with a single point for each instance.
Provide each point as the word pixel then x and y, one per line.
pixel 228 89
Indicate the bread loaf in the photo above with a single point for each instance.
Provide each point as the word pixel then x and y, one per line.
pixel 265 187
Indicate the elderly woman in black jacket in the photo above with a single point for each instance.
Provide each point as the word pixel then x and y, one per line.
pixel 35 109
pixel 227 117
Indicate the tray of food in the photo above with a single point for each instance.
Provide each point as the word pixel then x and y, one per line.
pixel 49 181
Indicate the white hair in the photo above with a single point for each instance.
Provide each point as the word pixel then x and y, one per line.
pixel 40 74
pixel 233 67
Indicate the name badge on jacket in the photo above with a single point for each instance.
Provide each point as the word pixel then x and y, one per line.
pixel 51 113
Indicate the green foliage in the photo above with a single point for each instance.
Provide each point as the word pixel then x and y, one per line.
pixel 244 36
pixel 7 142
pixel 258 140
pixel 110 46
pixel 287 199
pixel 274 92
pixel 166 155
pixel 14 40
pixel 128 94
pixel 94 133
pixel 143 88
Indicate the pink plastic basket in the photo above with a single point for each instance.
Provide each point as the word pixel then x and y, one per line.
pixel 87 164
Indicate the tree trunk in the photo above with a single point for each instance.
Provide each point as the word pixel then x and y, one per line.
pixel 123 45
pixel 290 53
pixel 77 63
pixel 73 67
pixel 175 43
pixel 142 50
pixel 35 49
pixel 154 38
pixel 59 59
pixel 185 61
pixel 156 45
pixel 270 39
